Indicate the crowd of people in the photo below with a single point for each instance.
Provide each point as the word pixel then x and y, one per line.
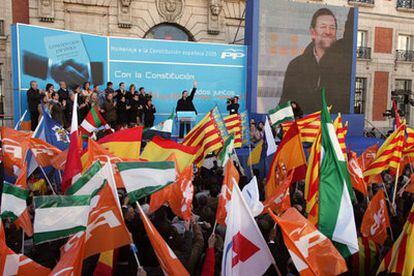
pixel 120 107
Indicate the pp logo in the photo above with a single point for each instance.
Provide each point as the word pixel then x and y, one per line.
pixel 233 54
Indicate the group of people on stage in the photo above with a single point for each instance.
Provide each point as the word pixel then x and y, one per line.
pixel 120 108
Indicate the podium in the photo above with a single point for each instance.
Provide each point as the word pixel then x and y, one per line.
pixel 186 116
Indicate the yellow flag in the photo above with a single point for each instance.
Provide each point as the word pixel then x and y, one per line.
pixel 254 157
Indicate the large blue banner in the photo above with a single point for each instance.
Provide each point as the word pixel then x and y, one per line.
pixel 164 68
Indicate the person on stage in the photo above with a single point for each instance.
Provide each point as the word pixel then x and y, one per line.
pixel 186 104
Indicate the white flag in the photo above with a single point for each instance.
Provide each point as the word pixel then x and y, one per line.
pixel 245 249
pixel 270 139
pixel 251 196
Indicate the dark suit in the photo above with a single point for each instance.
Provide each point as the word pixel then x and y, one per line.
pixel 33 101
pixel 186 105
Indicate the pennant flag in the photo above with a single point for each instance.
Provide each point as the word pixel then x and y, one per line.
pixel 308 127
pixel 282 113
pixel 336 214
pixel 159 149
pixel 356 174
pixel 93 122
pixel 389 155
pixel 71 258
pixel 341 134
pixel 206 135
pixel 73 166
pixel 245 251
pixel 280 201
pixel 400 258
pixel 289 157
pixel 15 145
pixel 14 207
pixel 234 126
pixel 256 154
pixel 166 257
pixel 178 195
pixel 43 152
pixel 59 216
pixel 376 220
pixel 125 143
pixel 311 251
pixel 270 139
pixel 365 261
pixel 245 123
pixel 13 201
pixel 231 178
pixel 163 129
pixel 251 196
pixel 227 151
pixel 144 178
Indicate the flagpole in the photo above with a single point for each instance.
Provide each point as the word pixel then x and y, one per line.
pixel 250 165
pixel 22 241
pixel 20 120
pixel 47 180
pixel 395 189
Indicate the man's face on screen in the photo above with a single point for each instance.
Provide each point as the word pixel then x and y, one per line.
pixel 324 33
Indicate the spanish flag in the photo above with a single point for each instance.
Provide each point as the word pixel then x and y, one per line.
pixel 159 149
pixel 124 143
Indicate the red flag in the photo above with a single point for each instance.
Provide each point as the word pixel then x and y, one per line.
pixel 376 221
pixel 73 164
pixel 396 114
pixel 166 257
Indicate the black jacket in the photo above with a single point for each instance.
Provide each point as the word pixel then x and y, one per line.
pixel 233 108
pixel 305 78
pixel 63 94
pixel 187 104
pixel 149 117
pixel 33 99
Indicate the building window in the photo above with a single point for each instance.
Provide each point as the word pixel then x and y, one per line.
pixel 402 95
pixel 2 28
pixel 169 32
pixel 405 4
pixel 363 51
pixel 405 48
pixel 360 92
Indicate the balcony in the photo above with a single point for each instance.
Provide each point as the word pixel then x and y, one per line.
pixel 405 5
pixel 368 3
pixel 405 55
pixel 363 53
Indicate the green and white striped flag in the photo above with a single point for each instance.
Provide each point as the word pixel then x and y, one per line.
pixel 13 201
pixel 144 178
pixel 227 151
pixel 165 126
pixel 92 180
pixel 58 217
pixel 336 215
pixel 282 113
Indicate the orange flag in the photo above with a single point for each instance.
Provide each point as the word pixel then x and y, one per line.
pixel 59 161
pixel 15 145
pixel 375 221
pixel 106 229
pixel 71 257
pixel 289 156
pixel 280 202
pixel 179 195
pixel 356 174
pixel 311 251
pixel 166 257
pixel 231 178
pixel 43 152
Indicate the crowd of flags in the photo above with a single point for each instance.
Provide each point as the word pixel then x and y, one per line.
pixel 84 206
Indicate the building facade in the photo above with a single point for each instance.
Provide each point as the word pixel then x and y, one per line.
pixel 385 53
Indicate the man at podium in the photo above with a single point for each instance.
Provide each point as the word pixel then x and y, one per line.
pixel 186 104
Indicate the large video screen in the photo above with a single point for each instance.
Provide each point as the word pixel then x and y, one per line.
pixel 305 47
pixel 164 68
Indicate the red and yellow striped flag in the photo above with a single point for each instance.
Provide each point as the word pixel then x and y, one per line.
pixel 341 132
pixel 409 143
pixel 205 135
pixel 366 260
pixel 312 181
pixel 234 125
pixel 308 126
pixel 389 155
pixel 400 258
